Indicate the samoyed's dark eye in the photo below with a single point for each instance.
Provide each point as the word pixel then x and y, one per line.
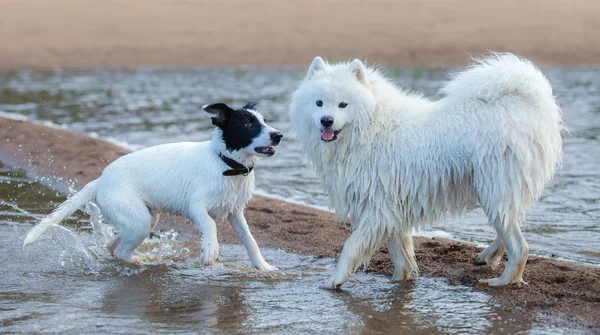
pixel 319 103
pixel 342 105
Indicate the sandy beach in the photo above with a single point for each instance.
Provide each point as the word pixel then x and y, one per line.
pixel 555 288
pixel 74 33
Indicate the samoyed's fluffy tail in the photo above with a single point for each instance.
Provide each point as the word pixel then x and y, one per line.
pixel 516 100
pixel 499 75
pixel 88 193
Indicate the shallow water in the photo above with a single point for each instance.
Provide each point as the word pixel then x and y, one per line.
pixel 149 106
pixel 67 283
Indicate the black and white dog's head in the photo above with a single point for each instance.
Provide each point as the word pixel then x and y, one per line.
pixel 244 129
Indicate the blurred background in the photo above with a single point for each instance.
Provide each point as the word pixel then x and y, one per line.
pixel 117 33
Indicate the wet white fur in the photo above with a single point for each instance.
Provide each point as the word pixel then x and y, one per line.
pixel 402 160
pixel 184 178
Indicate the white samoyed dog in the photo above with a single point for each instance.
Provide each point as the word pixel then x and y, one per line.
pixel 393 160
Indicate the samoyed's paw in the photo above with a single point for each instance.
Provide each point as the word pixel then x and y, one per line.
pixel 402 274
pixel 335 282
pixel 502 282
pixel 265 267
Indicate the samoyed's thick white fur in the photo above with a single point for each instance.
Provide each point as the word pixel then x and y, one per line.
pixel 399 160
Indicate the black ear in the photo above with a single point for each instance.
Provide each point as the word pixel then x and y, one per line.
pixel 219 113
pixel 250 105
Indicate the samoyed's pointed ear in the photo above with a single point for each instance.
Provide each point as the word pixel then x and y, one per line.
pixel 317 64
pixel 219 113
pixel 359 70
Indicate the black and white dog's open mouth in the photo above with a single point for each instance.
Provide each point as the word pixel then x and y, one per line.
pixel 269 151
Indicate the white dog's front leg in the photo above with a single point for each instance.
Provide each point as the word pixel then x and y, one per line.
pixel 357 250
pixel 239 224
pixel 210 244
pixel 402 253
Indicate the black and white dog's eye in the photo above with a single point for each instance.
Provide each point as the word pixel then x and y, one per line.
pixel 319 103
pixel 342 105
pixel 248 124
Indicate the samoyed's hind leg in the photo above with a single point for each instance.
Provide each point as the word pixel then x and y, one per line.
pixel 517 249
pixel 492 254
pixel 358 249
pixel 402 253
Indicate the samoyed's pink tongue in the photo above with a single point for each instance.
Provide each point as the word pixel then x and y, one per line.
pixel 327 134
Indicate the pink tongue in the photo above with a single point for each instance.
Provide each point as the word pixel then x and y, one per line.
pixel 327 134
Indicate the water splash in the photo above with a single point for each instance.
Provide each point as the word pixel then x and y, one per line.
pixel 17 208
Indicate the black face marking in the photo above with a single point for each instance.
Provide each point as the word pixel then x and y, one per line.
pixel 240 129
pixel 239 126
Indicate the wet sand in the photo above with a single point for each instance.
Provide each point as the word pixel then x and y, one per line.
pixel 111 33
pixel 555 288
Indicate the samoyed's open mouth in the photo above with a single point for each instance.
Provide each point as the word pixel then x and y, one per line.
pixel 269 151
pixel 329 135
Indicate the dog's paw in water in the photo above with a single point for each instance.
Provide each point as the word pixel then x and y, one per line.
pixel 265 267
pixel 209 253
pixel 334 283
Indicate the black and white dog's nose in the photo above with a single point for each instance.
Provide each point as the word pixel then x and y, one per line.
pixel 327 120
pixel 276 137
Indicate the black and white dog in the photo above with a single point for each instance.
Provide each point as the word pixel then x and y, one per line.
pixel 204 181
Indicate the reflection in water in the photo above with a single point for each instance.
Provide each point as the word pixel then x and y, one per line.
pixel 68 283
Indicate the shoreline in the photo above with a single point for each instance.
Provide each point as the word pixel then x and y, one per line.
pixel 556 288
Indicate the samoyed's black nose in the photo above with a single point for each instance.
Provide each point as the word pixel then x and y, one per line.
pixel 327 120
pixel 276 137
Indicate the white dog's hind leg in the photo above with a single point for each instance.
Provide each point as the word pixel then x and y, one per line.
pixel 133 230
pixel 239 224
pixel 113 245
pixel 116 241
pixel 517 249
pixel 155 218
pixel 402 253
pixel 210 244
pixel 492 254
pixel 358 249
pixel 128 213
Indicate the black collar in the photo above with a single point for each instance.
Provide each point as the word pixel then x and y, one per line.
pixel 236 168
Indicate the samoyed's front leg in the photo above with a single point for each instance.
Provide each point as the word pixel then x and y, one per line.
pixel 210 245
pixel 357 250
pixel 402 253
pixel 239 224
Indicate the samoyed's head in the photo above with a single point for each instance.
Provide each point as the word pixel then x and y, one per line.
pixel 331 100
